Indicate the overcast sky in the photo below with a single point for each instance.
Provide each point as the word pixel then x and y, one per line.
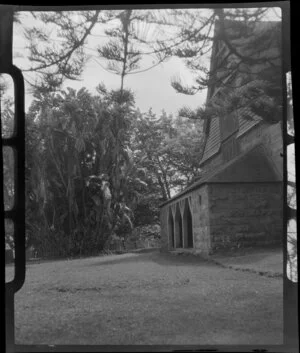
pixel 152 88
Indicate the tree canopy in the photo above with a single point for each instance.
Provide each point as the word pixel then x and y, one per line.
pixel 96 167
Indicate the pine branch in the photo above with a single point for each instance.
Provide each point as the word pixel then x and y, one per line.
pixel 77 44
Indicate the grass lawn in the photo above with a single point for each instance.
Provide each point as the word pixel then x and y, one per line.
pixel 268 261
pixel 147 298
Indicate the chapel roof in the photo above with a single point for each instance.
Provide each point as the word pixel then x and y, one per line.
pixel 252 166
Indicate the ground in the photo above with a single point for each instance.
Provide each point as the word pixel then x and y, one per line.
pixel 264 261
pixel 147 298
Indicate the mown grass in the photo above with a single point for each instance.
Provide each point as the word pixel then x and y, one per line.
pixel 146 298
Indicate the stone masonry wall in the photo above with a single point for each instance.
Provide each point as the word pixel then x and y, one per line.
pixel 199 208
pixel 250 224
pixel 200 212
pixel 248 214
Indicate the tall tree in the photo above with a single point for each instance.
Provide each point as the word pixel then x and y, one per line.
pixel 169 148
pixel 246 67
pixel 74 163
pixel 58 43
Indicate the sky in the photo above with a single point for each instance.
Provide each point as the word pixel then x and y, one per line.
pixel 152 88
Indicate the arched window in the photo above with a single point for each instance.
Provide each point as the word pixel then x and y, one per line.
pixel 178 228
pixel 187 226
pixel 171 228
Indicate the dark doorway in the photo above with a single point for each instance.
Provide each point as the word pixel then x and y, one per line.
pixel 171 228
pixel 187 226
pixel 180 243
pixel 190 242
pixel 178 229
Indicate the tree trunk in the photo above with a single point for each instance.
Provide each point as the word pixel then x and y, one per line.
pixel 126 23
pixel 164 178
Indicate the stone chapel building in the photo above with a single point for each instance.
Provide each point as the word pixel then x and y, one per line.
pixel 237 201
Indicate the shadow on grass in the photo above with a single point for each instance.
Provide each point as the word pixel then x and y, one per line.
pixel 154 256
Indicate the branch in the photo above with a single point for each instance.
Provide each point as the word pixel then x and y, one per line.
pixel 71 51
pixel 223 36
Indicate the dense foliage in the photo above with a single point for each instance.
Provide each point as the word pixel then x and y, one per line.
pixel 96 168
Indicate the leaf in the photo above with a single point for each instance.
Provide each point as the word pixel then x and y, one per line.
pixel 127 218
pixel 73 128
pixel 96 200
pixel 75 208
pixel 80 144
pixel 141 182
